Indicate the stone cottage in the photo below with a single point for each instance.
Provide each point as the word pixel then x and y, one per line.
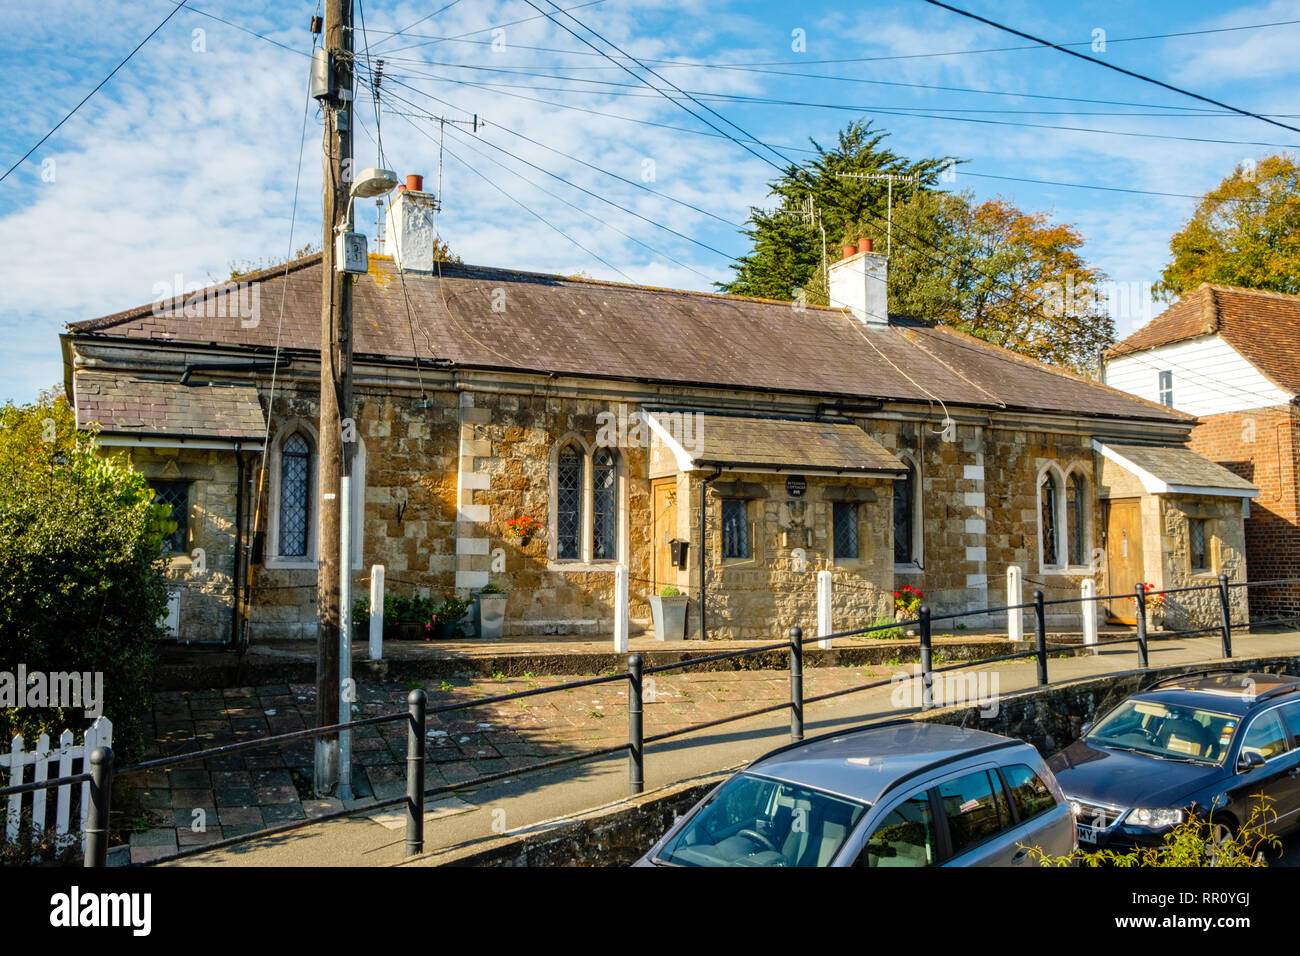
pixel 731 447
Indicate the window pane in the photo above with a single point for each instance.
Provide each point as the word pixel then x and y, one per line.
pixel 1265 737
pixel 1291 714
pixel 1029 793
pixel 735 528
pixel 1047 499
pixel 604 518
pixel 904 506
pixel 176 496
pixel 1074 511
pixel 295 482
pixel 568 504
pixel 1196 543
pixel 844 523
pixel 1166 386
pixel 904 838
pixel 970 809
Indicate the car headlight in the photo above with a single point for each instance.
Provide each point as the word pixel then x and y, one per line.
pixel 1076 808
pixel 1156 819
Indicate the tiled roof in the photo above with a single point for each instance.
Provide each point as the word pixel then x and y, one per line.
pixel 122 403
pixel 1263 326
pixel 497 318
pixel 1180 467
pixel 733 441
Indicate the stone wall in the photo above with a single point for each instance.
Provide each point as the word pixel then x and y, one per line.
pixel 1225 551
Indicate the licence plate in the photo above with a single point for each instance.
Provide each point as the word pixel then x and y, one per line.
pixel 1087 834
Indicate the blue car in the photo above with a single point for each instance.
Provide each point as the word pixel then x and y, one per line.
pixel 1211 741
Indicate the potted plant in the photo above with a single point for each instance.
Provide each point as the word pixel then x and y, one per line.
pixel 524 528
pixel 669 609
pixel 491 611
pixel 446 618
pixel 907 604
pixel 404 617
pixel 1154 604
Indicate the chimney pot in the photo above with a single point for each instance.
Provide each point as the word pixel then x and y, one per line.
pixel 864 244
pixel 848 250
pixel 415 182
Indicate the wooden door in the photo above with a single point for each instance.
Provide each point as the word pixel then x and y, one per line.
pixel 1123 557
pixel 664 493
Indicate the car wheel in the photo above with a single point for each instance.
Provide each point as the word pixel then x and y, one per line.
pixel 1223 834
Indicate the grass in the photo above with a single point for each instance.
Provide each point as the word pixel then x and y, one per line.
pixel 446 685
pixel 893 633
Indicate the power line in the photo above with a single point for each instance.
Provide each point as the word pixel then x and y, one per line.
pixel 97 88
pixel 498 26
pixel 1109 66
pixel 416 23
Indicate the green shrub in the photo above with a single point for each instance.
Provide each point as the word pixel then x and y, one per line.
pixel 81 570
pixel 452 610
pixel 891 633
pixel 669 590
pixel 491 588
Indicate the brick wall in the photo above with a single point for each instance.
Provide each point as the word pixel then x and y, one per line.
pixel 1262 446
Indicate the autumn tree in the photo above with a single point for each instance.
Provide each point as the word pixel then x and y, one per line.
pixel 1245 232
pixel 1012 278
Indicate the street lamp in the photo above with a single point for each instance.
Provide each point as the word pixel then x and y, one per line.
pixel 352 259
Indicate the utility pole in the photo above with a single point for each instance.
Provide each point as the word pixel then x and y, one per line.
pixel 335 386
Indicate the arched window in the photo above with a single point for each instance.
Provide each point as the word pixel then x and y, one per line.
pixel 295 495
pixel 568 503
pixel 604 506
pixel 1075 513
pixel 1049 496
pixel 905 515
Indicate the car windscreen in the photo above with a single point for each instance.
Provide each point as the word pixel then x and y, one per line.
pixel 755 821
pixel 1168 731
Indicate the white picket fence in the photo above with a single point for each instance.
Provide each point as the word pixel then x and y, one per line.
pixel 72 759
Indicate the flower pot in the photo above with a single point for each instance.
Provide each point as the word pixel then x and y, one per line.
pixel 446 630
pixel 404 631
pixel 669 617
pixel 491 615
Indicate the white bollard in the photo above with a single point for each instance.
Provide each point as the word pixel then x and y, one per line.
pixel 376 612
pixel 620 609
pixel 824 609
pixel 1015 595
pixel 1089 589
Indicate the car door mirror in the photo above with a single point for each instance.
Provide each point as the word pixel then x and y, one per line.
pixel 1248 761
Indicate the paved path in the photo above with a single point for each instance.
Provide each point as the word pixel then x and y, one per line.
pixel 512 735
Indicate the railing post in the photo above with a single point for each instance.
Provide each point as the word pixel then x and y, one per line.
pixel 1015 596
pixel 376 612
pixel 824 626
pixel 101 792
pixel 1225 612
pixel 415 732
pixel 1040 637
pixel 796 684
pixel 1140 596
pixel 635 728
pixel 927 677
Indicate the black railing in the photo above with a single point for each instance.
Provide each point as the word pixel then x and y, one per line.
pixel 102 772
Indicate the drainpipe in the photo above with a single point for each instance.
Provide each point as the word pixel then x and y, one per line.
pixel 239 541
pixel 704 511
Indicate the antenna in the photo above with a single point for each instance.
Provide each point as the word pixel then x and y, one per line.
pixel 889 209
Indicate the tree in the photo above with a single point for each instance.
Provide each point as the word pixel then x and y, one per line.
pixel 1012 278
pixel 81 576
pixel 1245 232
pixel 787 248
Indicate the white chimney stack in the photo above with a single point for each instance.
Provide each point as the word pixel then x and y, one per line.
pixel 859 282
pixel 410 226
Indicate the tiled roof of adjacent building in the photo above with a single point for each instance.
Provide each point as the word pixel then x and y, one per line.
pixel 1177 467
pixel 124 403
pixel 1263 326
pixel 497 318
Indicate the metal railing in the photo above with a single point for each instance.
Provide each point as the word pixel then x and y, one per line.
pixel 102 771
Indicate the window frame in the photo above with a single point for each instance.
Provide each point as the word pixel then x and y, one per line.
pixel 1207 561
pixel 273 560
pixel 916 548
pixel 586 559
pixel 1165 387
pixel 1050 475
pixel 856 556
pixel 183 526
pixel 748 526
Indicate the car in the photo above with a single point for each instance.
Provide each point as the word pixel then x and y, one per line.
pixel 901 793
pixel 1209 741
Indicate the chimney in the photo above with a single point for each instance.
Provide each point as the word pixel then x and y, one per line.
pixel 410 226
pixel 858 282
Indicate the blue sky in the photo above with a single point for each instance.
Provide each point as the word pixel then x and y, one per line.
pixel 185 161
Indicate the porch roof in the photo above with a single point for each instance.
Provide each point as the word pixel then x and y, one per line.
pixel 124 404
pixel 773 444
pixel 1173 469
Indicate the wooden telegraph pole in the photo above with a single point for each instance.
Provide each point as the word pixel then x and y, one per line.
pixel 335 389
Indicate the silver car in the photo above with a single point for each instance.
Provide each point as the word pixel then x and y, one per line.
pixel 903 793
